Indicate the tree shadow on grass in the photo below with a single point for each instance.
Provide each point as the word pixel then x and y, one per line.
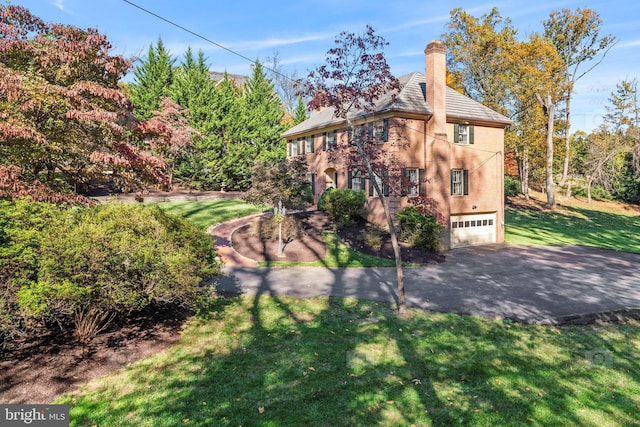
pixel 269 359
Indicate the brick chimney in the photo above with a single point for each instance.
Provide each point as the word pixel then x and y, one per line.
pixel 436 72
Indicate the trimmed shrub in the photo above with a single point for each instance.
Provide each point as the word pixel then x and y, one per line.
pixel 422 231
pixel 21 224
pixel 343 205
pixel 512 186
pixel 102 261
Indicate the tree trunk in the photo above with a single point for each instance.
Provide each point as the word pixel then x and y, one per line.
pixel 589 180
pixel 549 106
pixel 567 145
pixel 525 172
pixel 402 305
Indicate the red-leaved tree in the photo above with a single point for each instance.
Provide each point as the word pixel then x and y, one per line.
pixel 355 79
pixel 64 122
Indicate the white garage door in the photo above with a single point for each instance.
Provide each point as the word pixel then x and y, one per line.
pixel 469 230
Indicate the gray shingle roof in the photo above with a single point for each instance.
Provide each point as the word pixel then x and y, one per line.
pixel 410 99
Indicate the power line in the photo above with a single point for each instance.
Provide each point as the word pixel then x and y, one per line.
pixel 204 38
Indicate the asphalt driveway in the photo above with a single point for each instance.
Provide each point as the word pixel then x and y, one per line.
pixel 567 284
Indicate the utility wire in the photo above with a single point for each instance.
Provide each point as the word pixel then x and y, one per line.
pixel 204 38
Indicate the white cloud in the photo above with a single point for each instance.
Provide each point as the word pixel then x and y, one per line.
pixel 59 4
pixel 627 44
pixel 275 42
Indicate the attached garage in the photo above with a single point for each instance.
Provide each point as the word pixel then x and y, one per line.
pixel 470 230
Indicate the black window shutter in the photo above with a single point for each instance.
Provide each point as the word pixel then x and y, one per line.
pixel 385 130
pixel 349 179
pixel 422 185
pixel 313 184
pixel 451 181
pixel 470 134
pixel 465 182
pixel 456 133
pixel 370 132
pixel 385 189
pixel 324 141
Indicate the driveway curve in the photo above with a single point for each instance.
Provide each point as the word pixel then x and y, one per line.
pixel 548 285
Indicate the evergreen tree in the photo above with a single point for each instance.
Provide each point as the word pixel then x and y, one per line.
pixel 219 157
pixel 153 77
pixel 194 90
pixel 263 116
pixel 248 129
pixel 300 114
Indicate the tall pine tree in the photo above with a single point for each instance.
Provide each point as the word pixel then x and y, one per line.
pixel 194 90
pixel 263 114
pixel 300 113
pixel 153 77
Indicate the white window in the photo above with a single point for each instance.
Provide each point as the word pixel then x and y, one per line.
pixel 330 140
pixel 463 134
pixel 414 177
pixel 459 182
pixel 308 144
pixel 356 183
pixel 456 182
pixel 294 148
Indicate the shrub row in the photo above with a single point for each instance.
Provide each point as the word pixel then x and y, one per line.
pixel 81 267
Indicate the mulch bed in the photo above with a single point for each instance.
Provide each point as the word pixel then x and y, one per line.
pixel 310 247
pixel 37 370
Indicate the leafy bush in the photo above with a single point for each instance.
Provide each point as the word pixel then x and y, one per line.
pixel 422 231
pixel 109 260
pixel 597 192
pixel 343 205
pixel 322 206
pixel 512 186
pixel 21 224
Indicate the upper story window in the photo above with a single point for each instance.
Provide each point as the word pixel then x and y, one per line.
pixel 309 144
pixel 329 140
pixel 379 131
pixel 463 134
pixel 294 148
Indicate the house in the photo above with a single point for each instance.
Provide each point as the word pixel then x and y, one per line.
pixel 452 151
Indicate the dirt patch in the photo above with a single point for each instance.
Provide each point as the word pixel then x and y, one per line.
pixel 40 369
pixel 310 247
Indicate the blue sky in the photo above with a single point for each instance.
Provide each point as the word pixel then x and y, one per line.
pixel 302 31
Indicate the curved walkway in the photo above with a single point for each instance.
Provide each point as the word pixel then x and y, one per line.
pixel 549 285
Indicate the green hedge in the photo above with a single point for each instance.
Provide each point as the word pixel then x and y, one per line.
pixel 83 266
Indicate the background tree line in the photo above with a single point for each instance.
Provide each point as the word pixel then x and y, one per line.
pixel 531 79
pixel 238 122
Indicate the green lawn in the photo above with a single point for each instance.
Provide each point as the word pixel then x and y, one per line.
pixel 278 361
pixel 206 213
pixel 578 225
pixel 275 361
